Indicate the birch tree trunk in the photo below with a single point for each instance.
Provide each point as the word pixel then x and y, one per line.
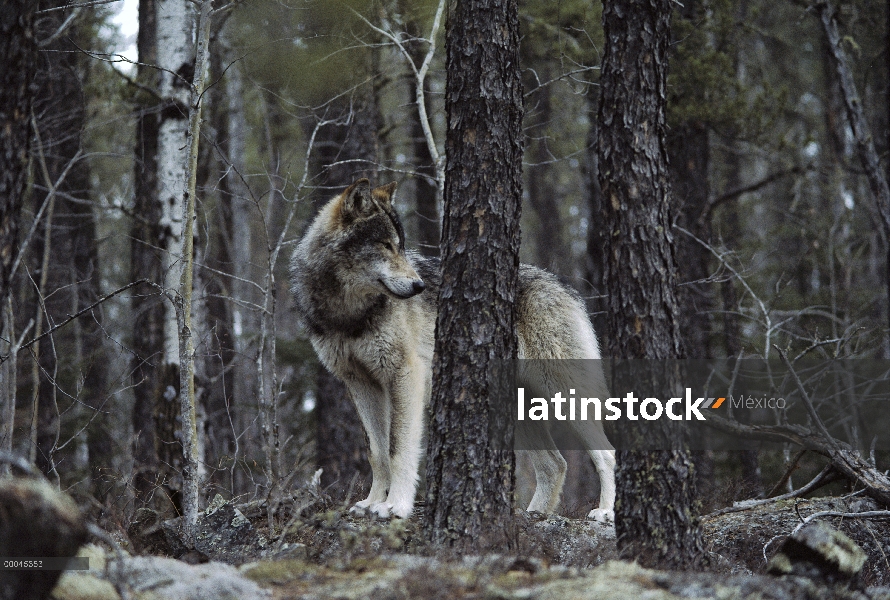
pixel 175 57
pixel 190 440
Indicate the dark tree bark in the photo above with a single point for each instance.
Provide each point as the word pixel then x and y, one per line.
pixel 689 152
pixel 18 53
pixel 469 473
pixel 154 416
pixel 656 519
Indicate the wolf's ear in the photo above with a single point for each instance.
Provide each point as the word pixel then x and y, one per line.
pixel 357 200
pixel 383 194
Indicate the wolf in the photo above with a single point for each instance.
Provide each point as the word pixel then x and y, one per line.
pixel 369 307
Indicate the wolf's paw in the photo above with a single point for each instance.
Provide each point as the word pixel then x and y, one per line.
pixel 601 515
pixel 385 510
pixel 360 508
pixel 381 510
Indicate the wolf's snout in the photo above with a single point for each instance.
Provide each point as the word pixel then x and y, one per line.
pixel 418 286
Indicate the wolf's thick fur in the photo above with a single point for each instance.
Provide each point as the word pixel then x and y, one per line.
pixel 358 292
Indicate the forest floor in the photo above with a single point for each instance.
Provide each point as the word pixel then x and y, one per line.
pixel 326 552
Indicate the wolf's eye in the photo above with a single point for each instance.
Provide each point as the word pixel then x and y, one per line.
pixel 388 246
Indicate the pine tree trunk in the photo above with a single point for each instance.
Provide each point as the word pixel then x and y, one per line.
pixel 469 494
pixel 18 54
pixel 656 520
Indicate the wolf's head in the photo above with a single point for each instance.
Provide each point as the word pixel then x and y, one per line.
pixel 370 240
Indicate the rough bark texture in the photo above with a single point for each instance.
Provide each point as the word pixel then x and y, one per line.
pixel 469 475
pixel 18 53
pixel 655 510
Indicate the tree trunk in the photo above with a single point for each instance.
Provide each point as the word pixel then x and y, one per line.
pixel 656 519
pixel 470 461
pixel 596 226
pixel 689 152
pixel 865 146
pixel 229 317
pixel 18 54
pixel 154 417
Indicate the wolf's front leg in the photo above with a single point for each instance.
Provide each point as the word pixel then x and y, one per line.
pixel 408 403
pixel 375 413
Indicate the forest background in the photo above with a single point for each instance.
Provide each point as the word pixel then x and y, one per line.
pixel 778 236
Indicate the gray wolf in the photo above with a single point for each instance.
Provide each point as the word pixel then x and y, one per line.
pixel 369 306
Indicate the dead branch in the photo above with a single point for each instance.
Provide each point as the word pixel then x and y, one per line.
pixel 847 461
pixel 865 145
pixel 869 514
pixel 76 315
pixel 824 477
pixel 792 466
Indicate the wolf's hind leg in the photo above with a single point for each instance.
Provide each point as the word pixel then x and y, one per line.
pixel 603 456
pixel 604 460
pixel 550 470
pixel 375 414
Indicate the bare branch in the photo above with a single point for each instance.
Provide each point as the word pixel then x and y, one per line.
pixel 76 6
pixel 818 481
pixel 868 514
pixel 865 145
pixel 419 91
pixel 751 187
pixel 78 314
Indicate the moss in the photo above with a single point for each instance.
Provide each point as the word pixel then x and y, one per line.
pixel 278 571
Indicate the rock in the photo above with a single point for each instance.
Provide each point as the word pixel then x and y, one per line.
pixel 224 534
pixel 149 535
pixel 36 520
pixel 155 578
pixel 819 552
